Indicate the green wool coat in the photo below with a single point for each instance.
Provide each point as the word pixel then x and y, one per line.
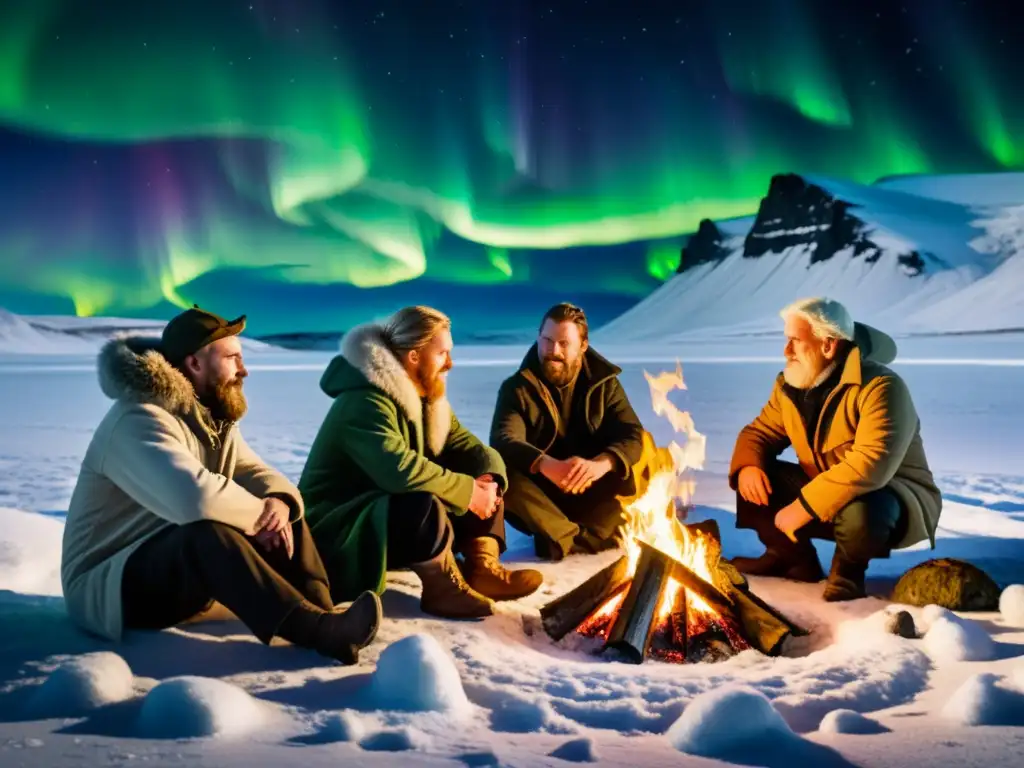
pixel 378 440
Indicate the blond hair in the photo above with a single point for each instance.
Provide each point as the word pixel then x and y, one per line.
pixel 413 327
pixel 828 318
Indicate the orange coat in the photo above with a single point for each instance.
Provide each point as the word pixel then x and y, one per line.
pixel 867 437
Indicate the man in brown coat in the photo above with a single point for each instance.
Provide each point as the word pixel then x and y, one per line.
pixel 862 478
pixel 570 439
pixel 173 511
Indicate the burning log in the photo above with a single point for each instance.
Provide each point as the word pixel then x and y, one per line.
pixel 710 594
pixel 706 622
pixel 564 614
pixel 635 623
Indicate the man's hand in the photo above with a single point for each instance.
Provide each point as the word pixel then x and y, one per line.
pixel 485 498
pixel 754 485
pixel 271 540
pixel 273 529
pixel 274 517
pixel 555 470
pixel 585 472
pixel 792 518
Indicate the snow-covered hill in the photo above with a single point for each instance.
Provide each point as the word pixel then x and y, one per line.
pixel 69 335
pixel 18 336
pixel 911 260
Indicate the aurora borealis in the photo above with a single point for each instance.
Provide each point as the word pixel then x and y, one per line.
pixel 314 162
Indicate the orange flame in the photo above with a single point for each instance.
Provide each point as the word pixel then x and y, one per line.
pixel 662 484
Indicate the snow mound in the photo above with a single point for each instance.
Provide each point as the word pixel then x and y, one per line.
pixel 729 722
pixel 192 707
pixel 979 701
pixel 83 684
pixel 482 758
pixel 399 740
pixel 417 674
pixel 876 626
pixel 515 714
pixel 952 638
pixel 576 751
pixel 1011 605
pixel 848 721
pixel 932 613
pixel 30 552
pixel 341 726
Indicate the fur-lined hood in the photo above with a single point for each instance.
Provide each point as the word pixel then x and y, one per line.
pixel 366 360
pixel 132 369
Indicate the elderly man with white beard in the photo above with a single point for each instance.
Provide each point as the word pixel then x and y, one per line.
pixel 861 477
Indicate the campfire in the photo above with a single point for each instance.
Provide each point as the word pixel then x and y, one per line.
pixel 670 596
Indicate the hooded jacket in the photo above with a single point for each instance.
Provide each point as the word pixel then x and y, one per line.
pixel 526 420
pixel 868 437
pixel 379 439
pixel 156 460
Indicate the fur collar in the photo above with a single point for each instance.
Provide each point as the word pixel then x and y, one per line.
pixel 132 369
pixel 364 348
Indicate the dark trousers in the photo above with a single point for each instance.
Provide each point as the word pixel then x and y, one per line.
pixel 417 529
pixel 863 530
pixel 538 507
pixel 178 572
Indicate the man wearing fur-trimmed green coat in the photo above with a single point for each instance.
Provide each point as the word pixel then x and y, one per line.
pixel 393 480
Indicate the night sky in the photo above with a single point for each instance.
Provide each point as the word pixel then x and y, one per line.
pixel 315 163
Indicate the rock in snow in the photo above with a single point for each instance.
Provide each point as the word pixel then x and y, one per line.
pixel 848 721
pixel 416 674
pixel 727 722
pixel 979 701
pixel 81 685
pixel 954 584
pixel 901 623
pixel 190 707
pixel 952 638
pixel 1011 605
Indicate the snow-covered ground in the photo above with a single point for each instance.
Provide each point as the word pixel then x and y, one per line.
pixel 496 691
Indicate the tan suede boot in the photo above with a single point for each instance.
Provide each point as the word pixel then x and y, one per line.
pixel 445 592
pixel 486 575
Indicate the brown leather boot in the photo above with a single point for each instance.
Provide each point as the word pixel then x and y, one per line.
pixel 845 581
pixel 804 567
pixel 486 575
pixel 445 592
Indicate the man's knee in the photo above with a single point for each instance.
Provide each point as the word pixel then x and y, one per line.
pixel 420 504
pixel 420 520
pixel 212 533
pixel 871 518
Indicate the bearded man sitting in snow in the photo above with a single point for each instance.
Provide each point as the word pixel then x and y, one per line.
pixel 861 477
pixel 393 480
pixel 173 511
pixel 571 439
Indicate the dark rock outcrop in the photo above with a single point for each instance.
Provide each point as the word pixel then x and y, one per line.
pixel 704 246
pixel 953 584
pixel 797 212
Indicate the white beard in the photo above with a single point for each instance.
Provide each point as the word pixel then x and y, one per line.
pixel 797 378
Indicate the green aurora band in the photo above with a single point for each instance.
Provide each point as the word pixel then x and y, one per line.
pixel 364 177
